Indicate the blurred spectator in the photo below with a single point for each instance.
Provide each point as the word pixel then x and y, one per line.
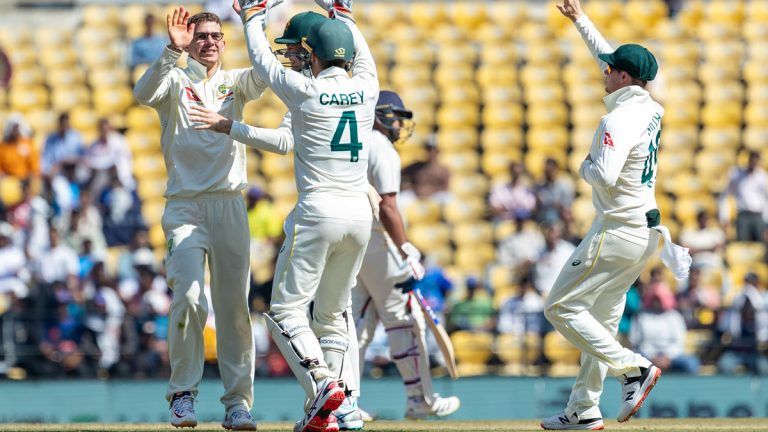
pixel 475 312
pixel 126 260
pixel 750 188
pixel 513 200
pixel 148 285
pixel 523 313
pixel 105 313
pixel 109 150
pixel 66 188
pixel 521 249
pixel 554 194
pixel 426 179
pixel 632 306
pixel 263 221
pixel 13 273
pixel 120 211
pixel 697 302
pixel 552 259
pixel 30 216
pixel 435 287
pixel 745 331
pixel 706 242
pixel 222 8
pixel 65 144
pixel 147 48
pixel 658 332
pixel 674 7
pixel 58 264
pixel 19 156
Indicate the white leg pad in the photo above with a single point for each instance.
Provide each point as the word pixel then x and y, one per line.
pixel 301 350
pixel 350 373
pixel 406 355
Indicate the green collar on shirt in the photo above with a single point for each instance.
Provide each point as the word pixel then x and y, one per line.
pixel 626 95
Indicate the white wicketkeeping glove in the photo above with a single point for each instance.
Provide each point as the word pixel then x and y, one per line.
pixel 256 9
pixel 413 259
pixel 338 9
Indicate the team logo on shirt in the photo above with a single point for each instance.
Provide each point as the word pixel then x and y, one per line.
pixel 192 96
pixel 607 140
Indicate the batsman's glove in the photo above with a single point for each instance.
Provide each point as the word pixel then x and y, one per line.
pixel 256 9
pixel 338 9
pixel 407 285
pixel 413 259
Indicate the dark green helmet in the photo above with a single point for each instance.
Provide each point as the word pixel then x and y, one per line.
pixel 298 27
pixel 331 40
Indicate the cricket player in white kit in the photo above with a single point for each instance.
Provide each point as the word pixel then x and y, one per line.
pixel 205 215
pixel 328 230
pixel 587 300
pixel 389 260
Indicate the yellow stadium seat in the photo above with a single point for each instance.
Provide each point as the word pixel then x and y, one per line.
pixel 546 115
pixel 100 15
pixel 57 57
pixel 671 31
pixel 459 93
pixel 110 100
pixel 507 13
pixel 10 190
pixel 506 94
pixel 472 233
pixel 463 161
pixel 473 351
pixel 42 120
pixel 755 137
pixel 757 52
pixel 409 75
pixel 99 77
pixel 447 76
pixel 739 253
pixel 142 118
pixel 83 118
pixel 754 31
pixel 157 240
pixel 26 76
pixel 488 75
pixel 100 57
pixel 409 54
pixel 425 96
pixel 712 73
pixel 709 31
pixel 586 92
pixel 402 34
pixel 138 72
pixel 275 165
pixel 491 35
pixel 456 53
pixel 472 259
pixel 674 160
pixel 283 187
pixel 586 114
pixel 457 116
pixel 64 98
pixel 687 207
pixel 425 15
pixel 738 272
pixel 722 113
pixel 16 36
pixel 143 142
pixel 464 210
pixel 64 77
pixel 714 163
pixel 757 92
pixel 726 12
pixel 544 54
pixel 430 237
pixel 461 139
pixel 681 113
pixel 23 56
pixel 24 99
pixel 469 185
pixel 497 163
pixel 533 33
pixel 683 92
pixel 550 93
pixel 686 184
pixel 502 115
pixel 535 74
pixel 756 113
pixel 518 350
pixel 467 16
pixel 501 138
pixel 149 166
pixel 498 54
pixel 548 137
pixel 581 139
pixel 99 36
pixel 500 277
pixel 153 210
pixel 559 351
pixel 151 189
pixel 52 37
pixel 422 211
pixel 730 91
pixel 683 138
pixel 534 160
pixel 721 137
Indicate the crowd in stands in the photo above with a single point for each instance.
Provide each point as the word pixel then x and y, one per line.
pixel 83 293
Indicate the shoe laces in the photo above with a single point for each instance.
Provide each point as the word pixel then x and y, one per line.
pixel 240 414
pixel 184 404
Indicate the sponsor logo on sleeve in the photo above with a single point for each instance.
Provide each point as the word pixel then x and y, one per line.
pixel 607 140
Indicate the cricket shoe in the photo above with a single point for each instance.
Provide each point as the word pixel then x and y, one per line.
pixel 239 419
pixel 441 407
pixel 634 390
pixel 364 415
pixel 348 416
pixel 563 421
pixel 330 395
pixel 183 410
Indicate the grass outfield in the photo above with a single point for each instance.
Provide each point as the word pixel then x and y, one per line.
pixel 641 425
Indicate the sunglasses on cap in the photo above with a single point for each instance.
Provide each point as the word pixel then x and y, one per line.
pixel 203 36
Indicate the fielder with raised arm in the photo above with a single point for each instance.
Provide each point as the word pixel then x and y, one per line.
pixel 205 215
pixel 327 232
pixel 389 260
pixel 587 300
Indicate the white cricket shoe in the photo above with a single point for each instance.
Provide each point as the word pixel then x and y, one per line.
pixel 319 417
pixel 239 419
pixel 634 390
pixel 348 416
pixel 441 407
pixel 183 410
pixel 563 421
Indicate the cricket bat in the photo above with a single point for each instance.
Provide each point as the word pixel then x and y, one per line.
pixel 441 336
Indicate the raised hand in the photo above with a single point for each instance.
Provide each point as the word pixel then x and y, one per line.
pixel 337 8
pixel 179 31
pixel 570 9
pixel 249 9
pixel 413 259
pixel 209 119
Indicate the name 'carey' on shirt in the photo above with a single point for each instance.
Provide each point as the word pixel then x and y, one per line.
pixel 341 98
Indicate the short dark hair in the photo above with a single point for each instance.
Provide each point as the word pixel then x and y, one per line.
pixel 205 17
pixel 638 82
pixel 325 64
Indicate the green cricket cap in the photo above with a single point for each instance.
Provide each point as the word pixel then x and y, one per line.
pixel 331 40
pixel 298 27
pixel 634 59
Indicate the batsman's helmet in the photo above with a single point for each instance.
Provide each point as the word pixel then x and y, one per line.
pixel 331 40
pixel 393 117
pixel 295 32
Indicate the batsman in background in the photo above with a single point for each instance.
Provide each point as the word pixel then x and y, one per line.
pixel 205 215
pixel 587 300
pixel 332 117
pixel 389 260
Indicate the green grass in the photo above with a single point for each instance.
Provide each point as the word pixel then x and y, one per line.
pixel 641 425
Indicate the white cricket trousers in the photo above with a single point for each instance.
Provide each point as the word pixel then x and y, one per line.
pixel 215 226
pixel 586 303
pixel 318 263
